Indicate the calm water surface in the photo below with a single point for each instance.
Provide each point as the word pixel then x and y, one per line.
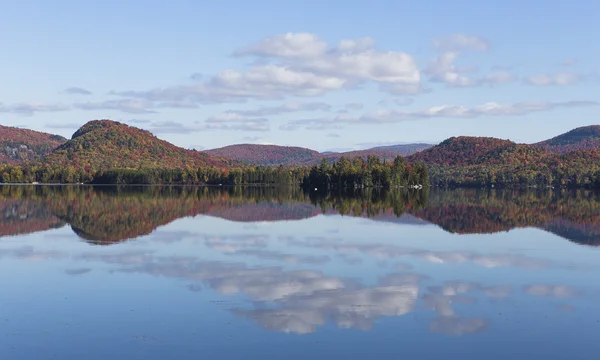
pixel 201 273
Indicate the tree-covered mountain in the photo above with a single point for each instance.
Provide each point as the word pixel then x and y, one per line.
pixel 19 145
pixel 582 138
pixel 105 144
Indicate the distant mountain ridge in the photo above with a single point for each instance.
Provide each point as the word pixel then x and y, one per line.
pixel 404 149
pixel 19 145
pixel 292 155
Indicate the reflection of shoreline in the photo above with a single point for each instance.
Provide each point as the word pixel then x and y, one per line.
pixel 109 215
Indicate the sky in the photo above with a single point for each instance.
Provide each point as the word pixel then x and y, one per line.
pixel 327 75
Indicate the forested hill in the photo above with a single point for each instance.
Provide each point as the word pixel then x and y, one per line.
pixel 472 161
pixel 466 150
pixel 19 145
pixel 256 154
pixel 267 154
pixel 104 144
pixel 583 138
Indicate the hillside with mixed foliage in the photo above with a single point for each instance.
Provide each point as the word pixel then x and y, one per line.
pixel 106 144
pixel 473 161
pixel 467 150
pixel 583 138
pixel 267 154
pixel 20 145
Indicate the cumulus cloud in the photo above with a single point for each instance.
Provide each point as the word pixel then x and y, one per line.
pixel 441 111
pixel 460 42
pixel 172 127
pixel 77 91
pixel 295 64
pixel 556 79
pixel 284 108
pixel 289 45
pixel 443 70
pixel 265 82
pixel 132 106
pixel 29 108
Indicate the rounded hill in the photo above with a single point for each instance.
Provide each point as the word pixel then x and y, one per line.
pixel 104 144
pixel 267 154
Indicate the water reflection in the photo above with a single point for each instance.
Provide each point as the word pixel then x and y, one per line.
pixel 247 266
pixel 107 215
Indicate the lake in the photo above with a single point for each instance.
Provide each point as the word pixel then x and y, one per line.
pixel 260 273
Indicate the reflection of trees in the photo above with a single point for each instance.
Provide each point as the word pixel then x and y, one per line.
pixel 22 215
pixel 573 214
pixel 104 215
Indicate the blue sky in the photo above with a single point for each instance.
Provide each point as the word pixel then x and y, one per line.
pixel 319 74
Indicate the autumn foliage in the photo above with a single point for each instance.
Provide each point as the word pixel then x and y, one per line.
pixel 19 145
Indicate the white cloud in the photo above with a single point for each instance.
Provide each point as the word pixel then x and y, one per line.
pixel 284 108
pixel 232 121
pixel 557 79
pixel 289 45
pixel 296 65
pixel 460 42
pixel 356 45
pixel 132 106
pixel 441 111
pixel 498 77
pixel 443 70
pixel 29 108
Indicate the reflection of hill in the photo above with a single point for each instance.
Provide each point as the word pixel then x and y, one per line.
pixel 574 215
pixel 20 215
pixel 106 215
pixel 265 212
